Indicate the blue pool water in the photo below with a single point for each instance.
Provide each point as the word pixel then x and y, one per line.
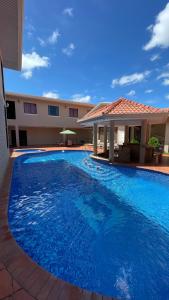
pixel 101 227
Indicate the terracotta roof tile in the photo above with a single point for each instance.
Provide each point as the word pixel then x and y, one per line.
pixel 123 106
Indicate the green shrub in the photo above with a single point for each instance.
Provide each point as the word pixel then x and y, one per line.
pixel 134 141
pixel 154 142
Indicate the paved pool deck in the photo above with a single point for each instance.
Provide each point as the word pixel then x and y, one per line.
pixel 20 277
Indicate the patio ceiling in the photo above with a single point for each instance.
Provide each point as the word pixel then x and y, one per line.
pixel 11 23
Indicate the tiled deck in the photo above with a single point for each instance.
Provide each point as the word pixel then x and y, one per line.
pixel 23 279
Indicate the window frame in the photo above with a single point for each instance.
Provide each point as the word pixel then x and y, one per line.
pixel 30 113
pixel 57 111
pixel 73 109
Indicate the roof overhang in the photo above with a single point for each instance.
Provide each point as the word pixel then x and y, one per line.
pixel 127 119
pixel 11 25
pixel 16 96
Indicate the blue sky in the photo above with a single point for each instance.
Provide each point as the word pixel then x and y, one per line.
pixel 95 50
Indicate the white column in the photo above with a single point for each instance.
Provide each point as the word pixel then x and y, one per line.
pixel 105 138
pixel 166 141
pixel 111 141
pixel 95 138
pixel 17 136
pixel 143 141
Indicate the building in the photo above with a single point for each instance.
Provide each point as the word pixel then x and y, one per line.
pixel 124 120
pixel 11 19
pixel 36 120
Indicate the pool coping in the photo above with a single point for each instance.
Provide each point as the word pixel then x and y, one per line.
pixel 141 167
pixel 21 277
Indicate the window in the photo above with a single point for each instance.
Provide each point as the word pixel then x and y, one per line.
pixel 73 112
pixel 30 108
pixel 11 110
pixel 53 110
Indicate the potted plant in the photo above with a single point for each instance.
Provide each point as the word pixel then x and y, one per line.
pixel 154 142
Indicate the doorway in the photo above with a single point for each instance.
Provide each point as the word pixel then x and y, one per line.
pixel 13 138
pixel 23 137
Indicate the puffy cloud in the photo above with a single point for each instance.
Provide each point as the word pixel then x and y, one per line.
pixel 53 38
pixel 69 49
pixel 165 78
pixel 41 42
pixel 155 57
pixel 131 93
pixel 51 94
pixel 148 91
pixel 32 61
pixel 167 96
pixel 130 79
pixel 81 98
pixel 159 31
pixel 68 11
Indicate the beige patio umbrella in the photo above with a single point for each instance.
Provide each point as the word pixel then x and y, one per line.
pixel 67 132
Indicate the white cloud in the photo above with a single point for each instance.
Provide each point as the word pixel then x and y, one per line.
pixel 165 77
pixel 51 94
pixel 81 98
pixel 167 96
pixel 130 79
pixel 131 93
pixel 29 28
pixel 159 31
pixel 53 38
pixel 155 57
pixel 68 11
pixel 31 61
pixel 69 49
pixel 41 42
pixel 148 91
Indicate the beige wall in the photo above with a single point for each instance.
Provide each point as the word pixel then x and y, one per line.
pixel 43 129
pixel 42 119
pixel 51 136
pixel 4 154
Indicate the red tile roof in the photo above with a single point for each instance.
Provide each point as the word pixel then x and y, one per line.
pixel 122 106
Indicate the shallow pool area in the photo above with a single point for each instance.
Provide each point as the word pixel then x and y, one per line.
pixel 28 150
pixel 101 227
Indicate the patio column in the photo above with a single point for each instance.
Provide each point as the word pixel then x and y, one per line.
pixel 143 141
pixel 166 141
pixel 132 133
pixel 17 136
pixel 105 138
pixel 111 141
pixel 126 137
pixel 95 138
pixel 148 132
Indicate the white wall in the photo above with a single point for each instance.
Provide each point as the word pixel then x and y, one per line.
pixel 4 154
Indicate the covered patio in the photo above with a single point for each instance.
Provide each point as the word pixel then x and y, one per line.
pixel 135 121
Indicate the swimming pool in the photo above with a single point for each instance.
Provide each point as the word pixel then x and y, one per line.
pixel 104 228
